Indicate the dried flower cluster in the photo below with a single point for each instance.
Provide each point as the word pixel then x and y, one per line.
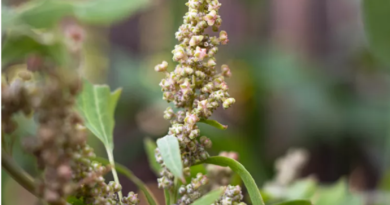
pixel 195 86
pixel 60 143
pixel 231 196
pixel 192 191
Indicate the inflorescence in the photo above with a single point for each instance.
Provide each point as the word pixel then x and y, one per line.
pixel 196 87
pixel 60 143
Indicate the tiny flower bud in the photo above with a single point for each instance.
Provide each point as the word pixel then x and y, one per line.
pixel 205 141
pixel 186 87
pixel 161 67
pixel 194 134
pixel 200 53
pixel 213 51
pixel 211 63
pixel 168 113
pixel 191 119
pixel 211 17
pixel 226 71
pixel 228 102
pixel 195 40
pixel 200 74
pixel 223 37
pixel 182 190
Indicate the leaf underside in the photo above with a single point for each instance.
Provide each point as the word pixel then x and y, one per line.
pixel 97 105
pixel 170 152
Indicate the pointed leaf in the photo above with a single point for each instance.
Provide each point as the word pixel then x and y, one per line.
pixel 239 169
pixel 214 123
pixel 107 11
pixel 209 198
pixel 150 147
pixel 18 47
pixel 170 152
pixel 45 13
pixel 296 202
pixel 97 105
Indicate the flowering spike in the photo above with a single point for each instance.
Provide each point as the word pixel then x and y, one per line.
pixel 195 88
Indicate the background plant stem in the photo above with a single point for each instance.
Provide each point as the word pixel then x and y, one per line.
pixel 17 173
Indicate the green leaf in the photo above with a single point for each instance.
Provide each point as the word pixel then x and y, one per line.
pixel 97 105
pixel 376 15
pixel 170 152
pixel 209 198
pixel 302 189
pixel 336 194
pixel 75 201
pixel 238 168
pixel 8 17
pixel 46 13
pixel 214 123
pixel 295 202
pixel 107 11
pixel 18 47
pixel 129 174
pixel 150 148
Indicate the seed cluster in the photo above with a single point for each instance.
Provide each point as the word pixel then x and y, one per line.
pixel 195 86
pixel 14 97
pixel 231 196
pixel 192 191
pixel 60 143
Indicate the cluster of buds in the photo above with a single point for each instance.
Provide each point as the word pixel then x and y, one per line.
pixel 58 137
pixel 192 191
pixel 14 97
pixel 231 196
pixel 196 87
pixel 91 184
pixel 220 176
pixel 60 143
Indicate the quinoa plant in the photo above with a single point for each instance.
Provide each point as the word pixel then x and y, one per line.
pixel 49 89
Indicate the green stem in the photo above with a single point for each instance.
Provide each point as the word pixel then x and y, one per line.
pixel 238 168
pixel 17 173
pixel 167 197
pixel 129 174
pixel 175 188
pixel 114 174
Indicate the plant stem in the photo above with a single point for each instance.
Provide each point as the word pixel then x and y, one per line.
pixel 129 174
pixel 114 174
pixel 175 189
pixel 17 173
pixel 239 169
pixel 167 197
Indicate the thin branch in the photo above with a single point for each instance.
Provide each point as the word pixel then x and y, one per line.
pixel 17 173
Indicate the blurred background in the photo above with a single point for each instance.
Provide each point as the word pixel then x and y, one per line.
pixel 303 77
